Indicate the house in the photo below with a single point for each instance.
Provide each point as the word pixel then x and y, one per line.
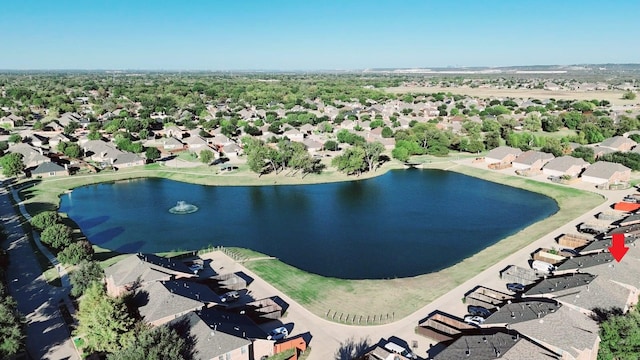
pixel 312 145
pixel 220 140
pixel 30 155
pixel 494 344
pixel 598 151
pixel 565 166
pixel 49 169
pixel 68 118
pixel 128 160
pixel 171 143
pixel 307 128
pixel 56 139
pixel 38 140
pixel 294 135
pixel 100 151
pixel 618 143
pixel 158 303
pixel 139 269
pixel 232 150
pixel 533 160
pixel 216 340
pixel 196 143
pixel 603 172
pixel 502 154
pixel 552 326
pixel 174 131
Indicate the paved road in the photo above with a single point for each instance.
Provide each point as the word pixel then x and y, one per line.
pixel 327 336
pixel 47 334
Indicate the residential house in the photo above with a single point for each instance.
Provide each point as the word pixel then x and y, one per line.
pixel 220 140
pixel 565 166
pixel 533 160
pixel 603 172
pixel 552 326
pixel 56 139
pixel 158 303
pixel 49 169
pixel 100 151
pixel 174 131
pixel 38 140
pixel 172 144
pixel 232 150
pixel 128 160
pixel 312 145
pixel 196 144
pixel 31 156
pixel 494 344
pixel 307 129
pixel 139 269
pixel 618 143
pixel 502 155
pixel 68 118
pixel 294 135
pixel 598 151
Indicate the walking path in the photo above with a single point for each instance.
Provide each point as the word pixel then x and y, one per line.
pixel 47 334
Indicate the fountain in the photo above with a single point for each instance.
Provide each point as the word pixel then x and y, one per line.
pixel 183 208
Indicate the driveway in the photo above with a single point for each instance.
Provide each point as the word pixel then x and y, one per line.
pixel 47 334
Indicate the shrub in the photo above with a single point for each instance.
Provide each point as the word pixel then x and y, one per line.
pixel 76 252
pixel 45 219
pixel 58 236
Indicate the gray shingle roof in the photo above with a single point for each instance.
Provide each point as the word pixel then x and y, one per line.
pixel 530 157
pixel 502 151
pixel 46 168
pixel 525 310
pixel 210 341
pixel 155 302
pixel 554 284
pixel 144 268
pixel 604 244
pixel 127 158
pixel 585 261
pixel 564 163
pixel 616 141
pixel 604 169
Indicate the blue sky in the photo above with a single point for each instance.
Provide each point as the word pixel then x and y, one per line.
pixel 314 34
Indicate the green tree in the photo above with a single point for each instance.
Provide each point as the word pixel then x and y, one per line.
pixel 58 236
pixel 72 150
pixel 551 123
pixel 76 252
pixel 620 337
pixel 45 219
pixel 12 164
pixel 387 132
pixel 352 161
pixel 15 138
pixel 372 152
pixel 94 135
pixel 400 153
pixel 585 153
pixel 11 325
pixel 206 156
pixel 103 322
pixel 86 273
pixel 629 95
pixel 161 343
pixel 152 153
pixel 331 145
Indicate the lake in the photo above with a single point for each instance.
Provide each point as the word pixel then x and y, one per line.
pixel 403 223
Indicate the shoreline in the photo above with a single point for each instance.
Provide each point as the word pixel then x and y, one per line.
pixel 362 297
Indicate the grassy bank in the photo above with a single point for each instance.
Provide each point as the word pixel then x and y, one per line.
pixel 337 298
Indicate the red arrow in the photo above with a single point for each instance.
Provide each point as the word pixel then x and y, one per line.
pixel 618 250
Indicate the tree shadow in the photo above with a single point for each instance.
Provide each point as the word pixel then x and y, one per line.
pixel 601 315
pixel 352 349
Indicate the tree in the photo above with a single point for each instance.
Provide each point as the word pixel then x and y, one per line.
pixel 72 150
pixel 45 219
pixel 11 325
pixel 76 252
pixel 331 145
pixel 84 275
pixel 58 236
pixel 629 95
pixel 103 322
pixel 94 135
pixel 372 152
pixel 12 164
pixel 160 343
pixel 400 153
pixel 352 161
pixel 620 336
pixel 551 123
pixel 206 156
pixel 15 138
pixel 584 153
pixel 387 132
pixel 152 153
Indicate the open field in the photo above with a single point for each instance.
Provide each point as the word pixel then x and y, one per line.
pixel 322 295
pixel 613 96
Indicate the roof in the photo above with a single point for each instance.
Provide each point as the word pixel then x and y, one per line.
pixel 564 163
pixel 554 284
pixel 127 158
pixel 172 141
pixel 144 267
pixel 633 218
pixel 46 168
pixel 29 153
pixel 616 141
pixel 209 341
pixel 232 323
pixel 492 344
pixel 604 169
pixel 530 157
pixel 155 301
pixel 585 261
pixel 604 244
pixel 566 329
pixel 192 290
pixel 600 293
pixel 515 312
pixel 502 151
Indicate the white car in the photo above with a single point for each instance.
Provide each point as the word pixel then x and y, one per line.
pixel 278 333
pixel 474 320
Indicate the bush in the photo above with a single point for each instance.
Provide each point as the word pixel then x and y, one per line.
pixel 76 252
pixel 58 236
pixel 84 275
pixel 629 95
pixel 45 219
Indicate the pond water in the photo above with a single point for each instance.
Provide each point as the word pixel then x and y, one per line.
pixel 403 223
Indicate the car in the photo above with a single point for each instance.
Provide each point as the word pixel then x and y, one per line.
pixel 570 251
pixel 278 333
pixel 478 311
pixel 395 348
pixel 515 287
pixel 195 268
pixel 230 296
pixel 474 320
